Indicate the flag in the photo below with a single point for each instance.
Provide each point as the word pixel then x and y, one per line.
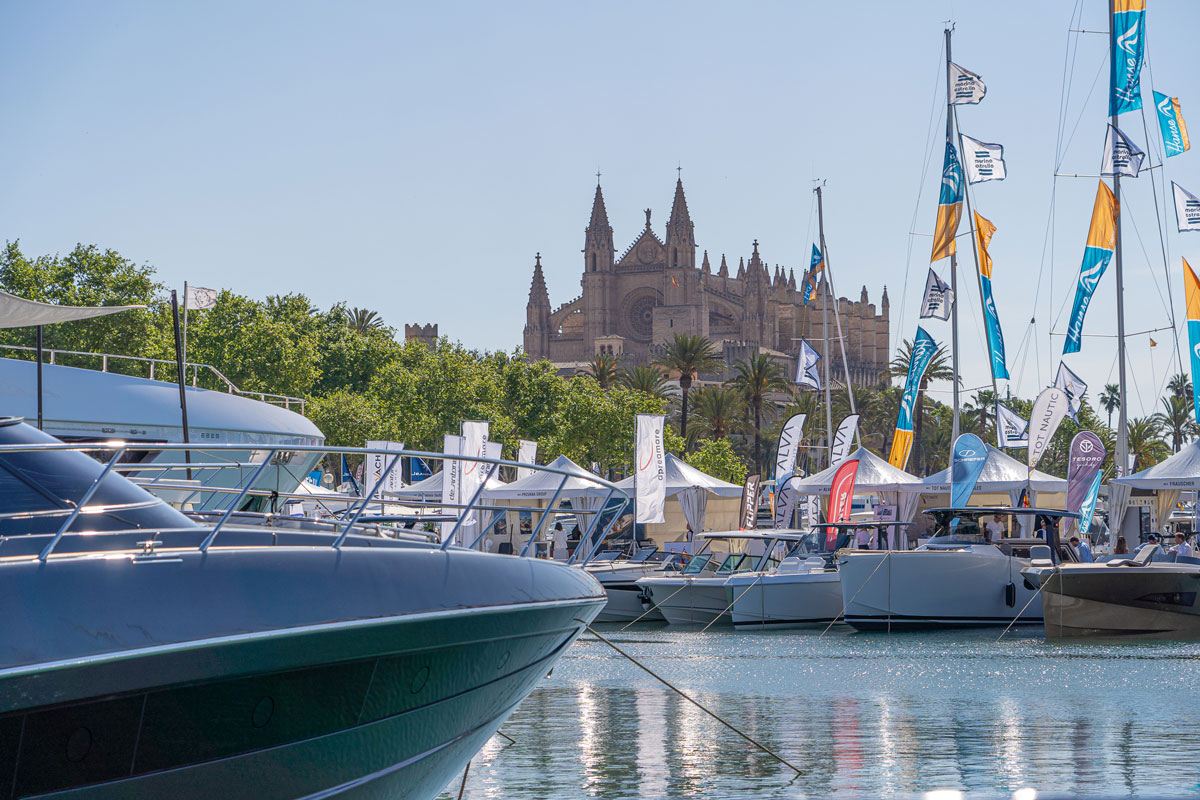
pixel 1121 155
pixel 983 161
pixel 921 354
pixel 1083 464
pixel 810 510
pixel 1191 287
pixel 1101 239
pixel 1088 507
pixel 1153 343
pixel 348 478
pixel 949 206
pixel 983 237
pixel 674 282
pixel 806 366
pixel 939 298
pixel 1170 122
pixel 841 498
pixel 785 502
pixel 1187 209
pixel 651 477
pixel 749 520
pixel 1011 429
pixel 526 454
pixel 843 438
pixel 1074 388
pixel 452 446
pixel 966 88
pixel 788 448
pixel 472 473
pixel 966 465
pixel 197 298
pixel 1128 46
pixel 809 290
pixel 1048 411
pixel 375 464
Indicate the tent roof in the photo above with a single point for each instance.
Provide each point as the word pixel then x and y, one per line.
pixel 874 475
pixel 17 312
pixel 542 485
pixel 1001 473
pixel 431 488
pixel 1180 471
pixel 682 476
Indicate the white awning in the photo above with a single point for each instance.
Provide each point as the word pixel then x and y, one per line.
pixel 874 475
pixel 681 476
pixel 1001 473
pixel 17 312
pixel 1180 471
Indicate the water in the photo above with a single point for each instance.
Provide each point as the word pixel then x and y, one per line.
pixel 859 714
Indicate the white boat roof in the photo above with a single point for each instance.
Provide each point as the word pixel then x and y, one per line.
pixel 682 476
pixel 875 474
pixel 1180 471
pixel 88 399
pixel 1001 473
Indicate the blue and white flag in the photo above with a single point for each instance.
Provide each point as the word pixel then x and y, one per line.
pixel 966 88
pixel 1121 155
pixel 1128 48
pixel 966 465
pixel 1089 505
pixel 1170 122
pixel 984 229
pixel 1012 430
pixel 939 298
pixel 982 160
pixel 806 367
pixel 1101 240
pixel 1187 209
pixel 1074 388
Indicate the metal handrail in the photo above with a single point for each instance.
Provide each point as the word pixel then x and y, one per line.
pixel 49 548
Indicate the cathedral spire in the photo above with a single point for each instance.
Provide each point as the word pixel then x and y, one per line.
pixel 599 219
pixel 741 268
pixel 598 250
pixel 681 237
pixel 792 279
pixel 706 267
pixel 538 295
pixel 724 270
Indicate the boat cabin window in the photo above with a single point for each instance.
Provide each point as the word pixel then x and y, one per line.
pixel 734 562
pixel 697 563
pixel 643 554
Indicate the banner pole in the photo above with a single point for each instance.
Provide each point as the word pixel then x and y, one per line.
pixel 825 326
pixel 187 454
pixel 953 261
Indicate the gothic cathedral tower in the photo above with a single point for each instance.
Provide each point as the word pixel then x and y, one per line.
pixel 599 289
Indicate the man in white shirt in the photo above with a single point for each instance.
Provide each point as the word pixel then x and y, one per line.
pixel 1181 548
pixel 994 528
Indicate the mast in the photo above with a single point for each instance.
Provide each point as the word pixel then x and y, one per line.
pixel 953 256
pixel 1122 460
pixel 825 329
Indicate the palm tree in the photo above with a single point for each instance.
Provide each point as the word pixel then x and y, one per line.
pixel 362 321
pixel 756 378
pixel 647 380
pixel 718 410
pixel 980 411
pixel 1145 442
pixel 1180 386
pixel 1176 419
pixel 1110 400
pixel 939 369
pixel 603 368
pixel 689 356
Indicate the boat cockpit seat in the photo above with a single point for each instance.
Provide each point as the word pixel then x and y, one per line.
pixel 790 564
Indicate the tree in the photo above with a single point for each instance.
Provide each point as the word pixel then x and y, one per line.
pixel 1176 419
pixel 756 378
pixel 1180 386
pixel 718 411
pixel 363 321
pixel 980 411
pixel 939 369
pixel 716 457
pixel 689 356
pixel 647 380
pixel 603 369
pixel 1110 400
pixel 1145 442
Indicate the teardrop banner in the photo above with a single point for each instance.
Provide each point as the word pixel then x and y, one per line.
pixel 1085 461
pixel 1048 411
pixel 965 468
pixel 841 498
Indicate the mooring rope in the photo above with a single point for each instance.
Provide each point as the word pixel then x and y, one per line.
pixel 654 605
pixel 739 597
pixel 1031 599
pixel 833 621
pixel 679 692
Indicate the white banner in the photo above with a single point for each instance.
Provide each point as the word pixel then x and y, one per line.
pixel 1011 429
pixel 526 454
pixel 375 464
pixel 810 511
pixel 983 161
pixel 651 476
pixel 452 445
pixel 1187 209
pixel 843 439
pixel 966 88
pixel 1048 411
pixel 1121 155
pixel 785 503
pixel 475 438
pixel 788 448
pixel 806 366
pixel 197 298
pixel 1073 386
pixel 939 298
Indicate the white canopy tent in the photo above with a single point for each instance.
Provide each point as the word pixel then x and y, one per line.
pixel 431 488
pixel 1168 478
pixel 691 488
pixel 539 488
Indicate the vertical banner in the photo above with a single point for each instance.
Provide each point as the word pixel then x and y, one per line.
pixel 949 206
pixel 1088 507
pixel 475 437
pixel 452 446
pixel 1191 287
pixel 921 354
pixel 810 511
pixel 983 238
pixel 374 465
pixel 651 459
pixel 1170 122
pixel 787 449
pixel 785 503
pixel 1083 464
pixel 1048 411
pixel 1101 239
pixel 843 439
pixel 841 498
pixel 526 454
pixel 809 290
pixel 1128 48
pixel 749 517
pixel 966 465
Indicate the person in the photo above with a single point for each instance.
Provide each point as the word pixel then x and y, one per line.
pixel 1181 548
pixel 1040 533
pixel 559 543
pixel 1082 551
pixel 1121 548
pixel 862 539
pixel 995 529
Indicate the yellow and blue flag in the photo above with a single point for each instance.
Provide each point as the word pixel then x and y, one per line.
pixel 923 348
pixel 1191 287
pixel 809 290
pixel 1101 240
pixel 1170 121
pixel 949 206
pixel 983 237
pixel 1128 48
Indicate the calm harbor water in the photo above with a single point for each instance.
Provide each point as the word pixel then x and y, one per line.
pixel 859 714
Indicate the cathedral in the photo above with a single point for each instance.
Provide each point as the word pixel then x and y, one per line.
pixel 633 302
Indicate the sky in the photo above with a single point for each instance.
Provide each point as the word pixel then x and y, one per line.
pixel 412 158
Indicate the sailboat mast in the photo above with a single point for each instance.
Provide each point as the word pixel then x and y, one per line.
pixel 825 329
pixel 953 255
pixel 1122 417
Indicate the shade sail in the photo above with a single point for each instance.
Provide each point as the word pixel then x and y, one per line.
pixel 682 476
pixel 17 312
pixel 543 485
pixel 1180 471
pixel 874 475
pixel 1001 473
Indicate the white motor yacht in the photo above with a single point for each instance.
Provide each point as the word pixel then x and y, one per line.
pixel 956 579
pixel 627 601
pixel 144 653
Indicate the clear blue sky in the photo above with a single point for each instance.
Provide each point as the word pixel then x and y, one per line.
pixel 412 158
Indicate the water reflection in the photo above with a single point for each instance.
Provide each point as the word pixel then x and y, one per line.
pixel 859 715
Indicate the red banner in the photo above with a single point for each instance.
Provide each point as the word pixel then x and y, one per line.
pixel 841 497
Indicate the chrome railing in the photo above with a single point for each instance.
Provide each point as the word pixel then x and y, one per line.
pixel 230 387
pixel 344 521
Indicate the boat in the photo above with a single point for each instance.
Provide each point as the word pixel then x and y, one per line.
pixel 698 595
pixel 957 579
pixel 150 653
pixel 627 601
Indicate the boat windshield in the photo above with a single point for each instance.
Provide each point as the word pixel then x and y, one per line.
pixel 734 562
pixel 697 563
pixel 643 554
pixel 958 531
pixel 39 490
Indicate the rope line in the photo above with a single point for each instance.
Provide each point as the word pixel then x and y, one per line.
pixel 842 615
